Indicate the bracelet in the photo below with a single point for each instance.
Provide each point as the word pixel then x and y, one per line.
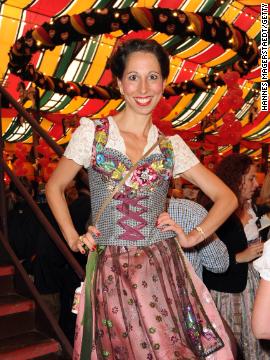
pixel 200 230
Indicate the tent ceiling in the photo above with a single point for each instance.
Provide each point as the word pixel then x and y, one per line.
pixel 85 62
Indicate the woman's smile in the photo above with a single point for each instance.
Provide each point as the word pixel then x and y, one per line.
pixel 143 101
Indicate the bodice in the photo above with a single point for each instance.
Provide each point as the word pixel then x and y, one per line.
pixel 130 218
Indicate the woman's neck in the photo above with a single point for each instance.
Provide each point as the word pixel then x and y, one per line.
pixel 138 125
pixel 243 207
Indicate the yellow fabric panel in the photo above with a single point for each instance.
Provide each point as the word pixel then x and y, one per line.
pixel 80 6
pixel 50 60
pixel 29 140
pixel 191 5
pixel 74 105
pixel 201 45
pixel 254 2
pixel 46 124
pixel 112 104
pixel 18 4
pixel 182 104
pixel 145 3
pixel 8 30
pixel 254 30
pixel 257 153
pixel 206 110
pixel 246 89
pixel 232 12
pixel 94 72
pixel 175 63
pixel 161 37
pixel 5 124
pixel 259 127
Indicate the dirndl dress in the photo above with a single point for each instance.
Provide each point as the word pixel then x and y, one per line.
pixel 141 298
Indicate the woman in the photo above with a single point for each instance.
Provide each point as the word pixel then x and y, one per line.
pixel 261 310
pixel 142 305
pixel 234 290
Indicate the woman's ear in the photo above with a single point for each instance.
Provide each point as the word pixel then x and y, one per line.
pixel 119 84
pixel 164 84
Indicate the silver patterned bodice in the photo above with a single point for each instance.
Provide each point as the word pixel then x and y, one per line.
pixel 130 219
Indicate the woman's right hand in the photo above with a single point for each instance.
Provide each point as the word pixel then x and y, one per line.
pixel 85 242
pixel 250 253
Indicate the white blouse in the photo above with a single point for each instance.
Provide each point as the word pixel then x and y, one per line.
pixel 79 148
pixel 251 228
pixel 262 264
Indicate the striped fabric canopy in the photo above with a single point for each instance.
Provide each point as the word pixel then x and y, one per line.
pixel 85 61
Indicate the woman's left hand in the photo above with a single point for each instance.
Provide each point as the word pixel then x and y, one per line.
pixel 166 223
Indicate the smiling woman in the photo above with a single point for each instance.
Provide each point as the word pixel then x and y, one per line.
pixel 141 299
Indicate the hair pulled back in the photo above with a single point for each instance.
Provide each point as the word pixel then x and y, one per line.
pixel 119 58
pixel 231 170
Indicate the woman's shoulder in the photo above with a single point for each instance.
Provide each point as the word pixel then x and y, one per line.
pixel 183 155
pixel 86 122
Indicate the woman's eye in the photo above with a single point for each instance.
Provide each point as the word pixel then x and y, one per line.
pixel 132 77
pixel 153 77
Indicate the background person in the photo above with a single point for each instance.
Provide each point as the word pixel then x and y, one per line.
pixel 234 290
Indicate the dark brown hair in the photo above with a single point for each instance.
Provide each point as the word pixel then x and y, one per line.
pixel 119 58
pixel 231 170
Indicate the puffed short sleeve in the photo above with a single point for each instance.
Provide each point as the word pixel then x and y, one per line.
pixel 184 158
pixel 79 148
pixel 262 264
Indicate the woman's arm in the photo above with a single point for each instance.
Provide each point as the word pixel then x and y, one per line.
pixel 225 202
pixel 55 193
pixel 261 311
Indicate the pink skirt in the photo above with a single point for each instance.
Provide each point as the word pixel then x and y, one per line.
pixel 144 307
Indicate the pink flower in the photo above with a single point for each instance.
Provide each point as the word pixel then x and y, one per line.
pixel 144 175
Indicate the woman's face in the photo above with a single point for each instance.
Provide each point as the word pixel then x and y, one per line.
pixel 142 84
pixel 249 184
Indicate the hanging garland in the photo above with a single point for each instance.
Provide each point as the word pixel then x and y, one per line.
pixel 66 29
pixel 72 88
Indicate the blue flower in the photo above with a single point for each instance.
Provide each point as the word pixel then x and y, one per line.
pixel 100 158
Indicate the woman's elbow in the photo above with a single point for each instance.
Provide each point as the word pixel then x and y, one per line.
pixel 260 332
pixel 52 189
pixel 229 200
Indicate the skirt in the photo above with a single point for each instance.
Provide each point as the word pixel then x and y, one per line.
pixel 146 305
pixel 237 309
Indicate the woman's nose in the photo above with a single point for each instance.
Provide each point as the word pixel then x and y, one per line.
pixel 255 183
pixel 143 86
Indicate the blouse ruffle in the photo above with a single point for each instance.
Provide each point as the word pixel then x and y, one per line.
pixel 80 146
